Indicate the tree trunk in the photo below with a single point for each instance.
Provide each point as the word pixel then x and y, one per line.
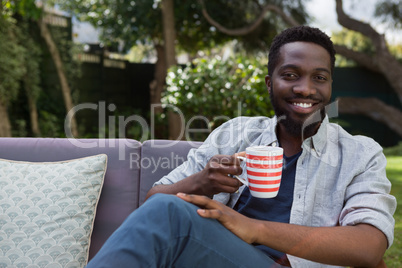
pixel 5 126
pixel 33 114
pixel 156 86
pixel 62 76
pixel 383 61
pixel 374 109
pixel 251 27
pixel 169 34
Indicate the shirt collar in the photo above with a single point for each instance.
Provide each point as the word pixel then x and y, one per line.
pixel 270 138
pixel 317 142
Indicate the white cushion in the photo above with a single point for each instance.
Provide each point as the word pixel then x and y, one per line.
pixel 47 211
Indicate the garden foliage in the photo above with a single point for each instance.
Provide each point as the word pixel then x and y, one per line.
pixel 210 91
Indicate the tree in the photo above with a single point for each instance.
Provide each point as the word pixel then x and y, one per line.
pixel 390 12
pixel 354 40
pixel 381 60
pixel 11 68
pixel 141 22
pixel 65 87
pixel 27 11
pixel 31 78
pixel 169 35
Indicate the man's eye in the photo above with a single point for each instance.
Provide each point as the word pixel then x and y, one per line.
pixel 289 75
pixel 322 78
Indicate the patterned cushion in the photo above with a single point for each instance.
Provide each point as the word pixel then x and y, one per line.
pixel 47 211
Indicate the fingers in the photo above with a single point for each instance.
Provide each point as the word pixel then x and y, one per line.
pixel 224 183
pixel 226 160
pixel 199 200
pixel 240 225
pixel 209 208
pixel 216 175
pixel 208 213
pixel 219 169
pixel 243 154
pixel 225 164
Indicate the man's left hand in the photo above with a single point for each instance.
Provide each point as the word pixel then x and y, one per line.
pixel 242 226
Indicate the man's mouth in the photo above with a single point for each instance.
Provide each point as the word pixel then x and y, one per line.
pixel 302 105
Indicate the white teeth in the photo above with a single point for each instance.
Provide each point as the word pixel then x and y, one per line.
pixel 303 105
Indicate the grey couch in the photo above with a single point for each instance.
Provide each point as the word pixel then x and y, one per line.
pixel 132 169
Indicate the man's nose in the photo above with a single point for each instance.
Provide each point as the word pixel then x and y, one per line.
pixel 305 87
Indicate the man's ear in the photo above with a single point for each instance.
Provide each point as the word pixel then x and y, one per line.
pixel 268 83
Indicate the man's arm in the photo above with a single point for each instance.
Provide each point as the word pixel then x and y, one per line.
pixel 211 180
pixel 361 246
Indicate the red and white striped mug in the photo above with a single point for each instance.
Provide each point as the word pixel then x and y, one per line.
pixel 264 170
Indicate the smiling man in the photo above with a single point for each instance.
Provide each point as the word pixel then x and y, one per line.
pixel 333 205
pixel 299 84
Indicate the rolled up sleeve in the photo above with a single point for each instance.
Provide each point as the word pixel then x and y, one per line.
pixel 367 198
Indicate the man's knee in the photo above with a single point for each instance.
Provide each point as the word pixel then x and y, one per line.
pixel 168 212
pixel 162 200
pixel 161 197
pixel 166 203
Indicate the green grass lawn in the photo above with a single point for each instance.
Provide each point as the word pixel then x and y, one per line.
pixel 393 256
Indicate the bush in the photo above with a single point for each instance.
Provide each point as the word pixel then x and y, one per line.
pixel 211 91
pixel 394 151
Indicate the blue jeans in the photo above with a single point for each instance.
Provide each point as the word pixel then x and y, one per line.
pixel 167 232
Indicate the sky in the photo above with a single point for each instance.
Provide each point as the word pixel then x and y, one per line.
pixel 84 32
pixel 323 12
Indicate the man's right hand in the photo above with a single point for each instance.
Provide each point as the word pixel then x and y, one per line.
pixel 213 179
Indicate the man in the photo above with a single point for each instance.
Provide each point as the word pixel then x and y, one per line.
pixel 333 205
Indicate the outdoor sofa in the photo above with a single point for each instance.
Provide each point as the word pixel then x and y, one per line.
pixel 34 198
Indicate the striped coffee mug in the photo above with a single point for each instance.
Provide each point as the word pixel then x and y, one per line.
pixel 264 170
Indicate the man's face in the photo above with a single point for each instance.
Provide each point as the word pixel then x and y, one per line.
pixel 300 86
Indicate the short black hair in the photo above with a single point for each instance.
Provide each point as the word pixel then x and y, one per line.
pixel 299 34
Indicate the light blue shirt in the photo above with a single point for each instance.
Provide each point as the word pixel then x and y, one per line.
pixel 340 178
